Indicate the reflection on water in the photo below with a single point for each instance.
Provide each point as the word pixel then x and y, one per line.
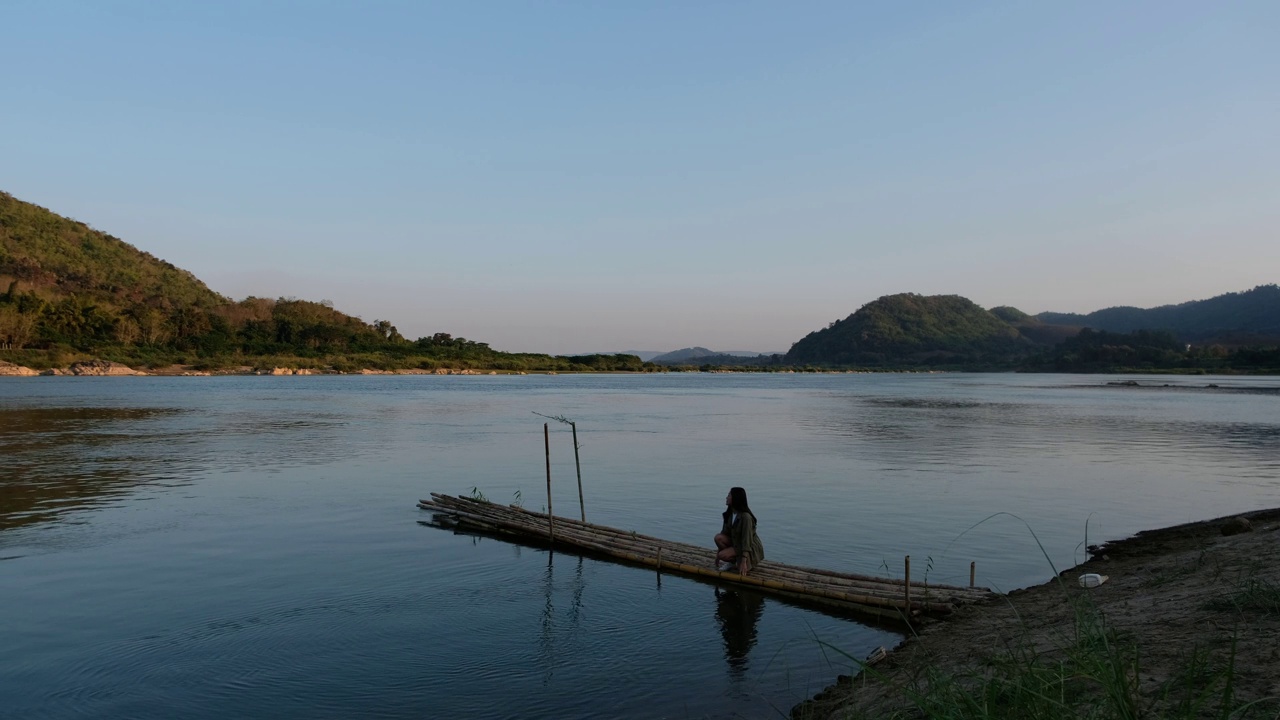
pixel 965 435
pixel 62 459
pixel 738 614
pixel 547 656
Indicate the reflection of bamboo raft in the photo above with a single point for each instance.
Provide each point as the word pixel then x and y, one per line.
pixel 857 593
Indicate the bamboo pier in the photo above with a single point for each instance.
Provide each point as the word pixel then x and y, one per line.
pixel 897 599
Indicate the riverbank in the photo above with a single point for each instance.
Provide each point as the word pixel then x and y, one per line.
pixel 1186 625
pixel 102 368
pixel 97 367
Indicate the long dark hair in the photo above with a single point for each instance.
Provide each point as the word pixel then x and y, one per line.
pixel 738 504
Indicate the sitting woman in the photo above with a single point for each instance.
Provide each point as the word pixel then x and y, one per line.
pixel 737 543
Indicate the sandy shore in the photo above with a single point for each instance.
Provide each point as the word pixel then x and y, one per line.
pixel 1176 599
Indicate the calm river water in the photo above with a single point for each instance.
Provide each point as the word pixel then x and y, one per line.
pixel 250 546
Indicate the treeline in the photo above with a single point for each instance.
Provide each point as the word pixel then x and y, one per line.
pixel 1152 351
pixel 255 332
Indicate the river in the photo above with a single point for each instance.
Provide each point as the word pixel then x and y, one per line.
pixel 250 547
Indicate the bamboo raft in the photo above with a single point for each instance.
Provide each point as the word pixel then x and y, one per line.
pixel 896 599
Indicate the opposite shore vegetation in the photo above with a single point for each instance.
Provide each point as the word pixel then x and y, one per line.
pixel 72 294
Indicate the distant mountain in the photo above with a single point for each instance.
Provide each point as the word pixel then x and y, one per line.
pixel 1253 312
pixel 645 355
pixel 703 356
pixel 682 355
pixel 910 329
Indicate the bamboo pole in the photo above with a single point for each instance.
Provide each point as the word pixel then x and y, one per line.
pixel 973 566
pixel 695 555
pixel 906 583
pixel 687 554
pixel 577 464
pixel 517 523
pixel 625 536
pixel 551 522
pixel 873 578
pixel 855 598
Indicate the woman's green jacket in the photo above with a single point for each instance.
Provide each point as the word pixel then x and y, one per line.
pixel 744 538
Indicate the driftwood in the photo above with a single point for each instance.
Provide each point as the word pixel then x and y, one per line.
pixel 886 597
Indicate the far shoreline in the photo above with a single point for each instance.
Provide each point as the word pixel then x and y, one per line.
pixel 105 368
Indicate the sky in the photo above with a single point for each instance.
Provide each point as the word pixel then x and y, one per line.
pixel 595 177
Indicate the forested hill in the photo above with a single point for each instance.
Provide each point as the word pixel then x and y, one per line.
pixel 1253 312
pixel 69 293
pixel 910 329
pixel 55 257
pixel 682 355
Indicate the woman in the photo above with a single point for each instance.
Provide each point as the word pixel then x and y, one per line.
pixel 737 543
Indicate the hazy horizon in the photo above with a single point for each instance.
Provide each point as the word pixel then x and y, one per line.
pixel 566 178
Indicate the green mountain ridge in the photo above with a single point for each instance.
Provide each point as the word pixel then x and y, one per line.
pixel 1253 312
pixel 1234 332
pixel 911 329
pixel 71 292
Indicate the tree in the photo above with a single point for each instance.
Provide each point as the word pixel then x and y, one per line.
pixel 387 331
pixel 16 327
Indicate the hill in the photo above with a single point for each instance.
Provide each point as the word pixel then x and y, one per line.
pixel 71 292
pixel 1235 318
pixel 682 355
pixel 725 361
pixel 55 257
pixel 910 329
pixel 642 354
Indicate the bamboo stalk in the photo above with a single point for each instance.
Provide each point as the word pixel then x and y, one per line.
pixel 855 590
pixel 687 554
pixel 577 464
pixel 551 522
pixel 824 571
pixel 691 554
pixel 856 600
pixel 699 570
pixel 906 582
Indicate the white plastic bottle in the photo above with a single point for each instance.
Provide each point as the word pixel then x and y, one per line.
pixel 1092 580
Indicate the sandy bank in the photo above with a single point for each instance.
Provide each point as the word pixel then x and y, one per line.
pixel 1193 613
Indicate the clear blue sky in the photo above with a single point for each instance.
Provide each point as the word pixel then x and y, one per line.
pixel 572 177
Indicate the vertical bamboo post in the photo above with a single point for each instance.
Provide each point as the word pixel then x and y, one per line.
pixel 659 558
pixel 577 464
pixel 972 568
pixel 906 585
pixel 551 520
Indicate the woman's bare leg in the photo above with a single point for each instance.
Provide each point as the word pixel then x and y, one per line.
pixel 722 541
